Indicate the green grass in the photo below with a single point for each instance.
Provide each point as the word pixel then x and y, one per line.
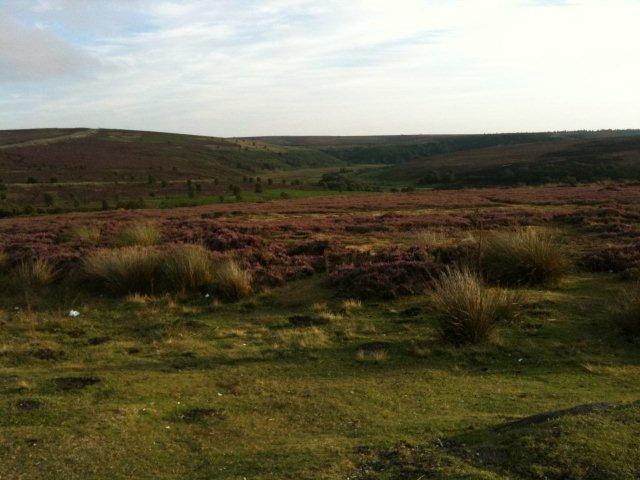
pixel 289 402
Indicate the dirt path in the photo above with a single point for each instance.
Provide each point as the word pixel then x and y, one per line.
pixel 49 140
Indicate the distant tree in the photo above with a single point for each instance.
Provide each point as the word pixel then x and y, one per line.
pixel 54 180
pixel 105 205
pixel 163 184
pixel 151 179
pixel 235 190
pixel 198 187
pixel 32 180
pixel 284 195
pixel 258 188
pixel 49 200
pixel 270 181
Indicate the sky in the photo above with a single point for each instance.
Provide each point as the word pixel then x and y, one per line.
pixel 325 67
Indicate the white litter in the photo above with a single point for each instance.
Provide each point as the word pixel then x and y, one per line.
pixel 74 313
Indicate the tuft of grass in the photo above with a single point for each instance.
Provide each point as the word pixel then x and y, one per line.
pixel 432 238
pixel 187 267
pixel 375 356
pixel 320 307
pixel 626 312
pixel 307 339
pixel 468 311
pixel 137 299
pixel 524 257
pixel 231 280
pixel 34 273
pixel 138 234
pixel 124 270
pixel 84 233
pixel 351 305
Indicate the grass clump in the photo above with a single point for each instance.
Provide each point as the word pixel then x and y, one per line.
pixel 351 305
pixel 524 257
pixel 84 233
pixel 34 273
pixel 626 312
pixel 468 311
pixel 138 234
pixel 187 268
pixel 124 270
pixel 231 280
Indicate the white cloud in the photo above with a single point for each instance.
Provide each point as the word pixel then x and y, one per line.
pixel 35 54
pixel 328 67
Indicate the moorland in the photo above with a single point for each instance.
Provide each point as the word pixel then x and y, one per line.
pixel 398 307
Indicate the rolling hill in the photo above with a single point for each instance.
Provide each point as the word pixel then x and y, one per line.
pixel 48 170
pixel 106 155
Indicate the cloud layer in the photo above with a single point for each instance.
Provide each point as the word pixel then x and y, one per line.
pixel 250 67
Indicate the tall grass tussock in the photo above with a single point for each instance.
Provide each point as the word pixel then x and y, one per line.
pixel 124 270
pixel 467 310
pixel 138 234
pixel 231 280
pixel 187 268
pixel 180 268
pixel 524 257
pixel 34 273
pixel 626 312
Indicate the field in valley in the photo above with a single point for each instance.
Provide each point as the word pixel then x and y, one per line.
pixel 323 350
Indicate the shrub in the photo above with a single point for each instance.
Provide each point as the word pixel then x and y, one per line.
pixel 231 280
pixel 524 257
pixel 34 273
pixel 384 280
pixel 468 311
pixel 626 312
pixel 124 270
pixel 138 234
pixel 187 267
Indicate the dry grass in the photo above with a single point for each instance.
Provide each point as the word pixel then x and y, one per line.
pixel 34 273
pixel 303 339
pixel 124 270
pixel 375 356
pixel 231 280
pixel 138 234
pixel 626 312
pixel 524 257
pixel 187 268
pixel 468 311
pixel 3 260
pixel 351 305
pixel 432 238
pixel 137 299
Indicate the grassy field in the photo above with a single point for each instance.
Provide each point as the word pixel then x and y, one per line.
pixel 301 380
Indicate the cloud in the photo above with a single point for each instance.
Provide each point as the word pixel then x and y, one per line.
pixel 35 54
pixel 242 67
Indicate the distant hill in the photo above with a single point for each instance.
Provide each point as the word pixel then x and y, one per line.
pixel 103 155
